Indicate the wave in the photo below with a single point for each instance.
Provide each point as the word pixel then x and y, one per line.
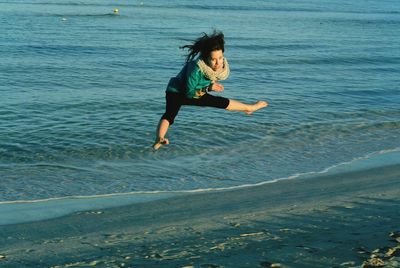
pixel 213 6
pixel 61 3
pixel 298 175
pixel 332 60
pixel 258 47
pixel 85 15
pixel 25 210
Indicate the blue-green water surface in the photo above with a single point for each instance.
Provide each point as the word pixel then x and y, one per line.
pixel 82 90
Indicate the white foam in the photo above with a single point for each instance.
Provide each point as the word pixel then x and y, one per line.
pixel 21 211
pixel 28 211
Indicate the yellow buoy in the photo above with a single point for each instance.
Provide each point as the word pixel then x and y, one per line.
pixel 116 10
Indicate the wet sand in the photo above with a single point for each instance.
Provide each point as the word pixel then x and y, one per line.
pixel 342 220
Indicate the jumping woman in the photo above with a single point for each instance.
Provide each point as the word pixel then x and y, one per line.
pixel 198 77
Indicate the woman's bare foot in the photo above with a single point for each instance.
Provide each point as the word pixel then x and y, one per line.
pixel 160 142
pixel 256 106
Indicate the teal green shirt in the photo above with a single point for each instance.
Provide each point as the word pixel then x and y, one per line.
pixel 190 81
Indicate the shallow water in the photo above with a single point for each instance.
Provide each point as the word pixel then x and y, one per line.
pixel 82 91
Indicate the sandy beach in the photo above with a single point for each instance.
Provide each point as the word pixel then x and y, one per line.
pixel 342 220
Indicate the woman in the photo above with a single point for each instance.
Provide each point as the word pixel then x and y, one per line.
pixel 194 82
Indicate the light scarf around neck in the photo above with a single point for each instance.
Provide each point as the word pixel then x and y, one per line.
pixel 221 74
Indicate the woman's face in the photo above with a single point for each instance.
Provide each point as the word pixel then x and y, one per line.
pixel 216 60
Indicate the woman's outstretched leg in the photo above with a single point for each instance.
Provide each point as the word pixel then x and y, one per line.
pixel 247 108
pixel 162 130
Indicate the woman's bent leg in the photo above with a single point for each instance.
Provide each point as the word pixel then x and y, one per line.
pixel 162 130
pixel 173 104
pixel 235 105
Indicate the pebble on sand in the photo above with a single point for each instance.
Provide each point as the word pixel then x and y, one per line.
pixel 393 252
pixel 268 264
pixel 394 234
pixel 373 262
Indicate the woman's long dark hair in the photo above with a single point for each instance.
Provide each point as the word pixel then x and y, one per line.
pixel 204 45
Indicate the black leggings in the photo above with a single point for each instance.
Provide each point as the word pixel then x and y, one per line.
pixel 176 100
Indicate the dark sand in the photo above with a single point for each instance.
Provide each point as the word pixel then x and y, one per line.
pixel 328 221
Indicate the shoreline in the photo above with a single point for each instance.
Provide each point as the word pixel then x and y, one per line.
pixel 20 211
pixel 323 221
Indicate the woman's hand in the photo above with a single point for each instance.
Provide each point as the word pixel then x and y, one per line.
pixel 217 87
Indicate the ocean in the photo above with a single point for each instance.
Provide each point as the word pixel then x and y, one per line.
pixel 82 90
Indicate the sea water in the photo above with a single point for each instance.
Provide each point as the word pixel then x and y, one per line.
pixel 82 90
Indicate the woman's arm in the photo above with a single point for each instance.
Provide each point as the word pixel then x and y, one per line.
pixel 216 87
